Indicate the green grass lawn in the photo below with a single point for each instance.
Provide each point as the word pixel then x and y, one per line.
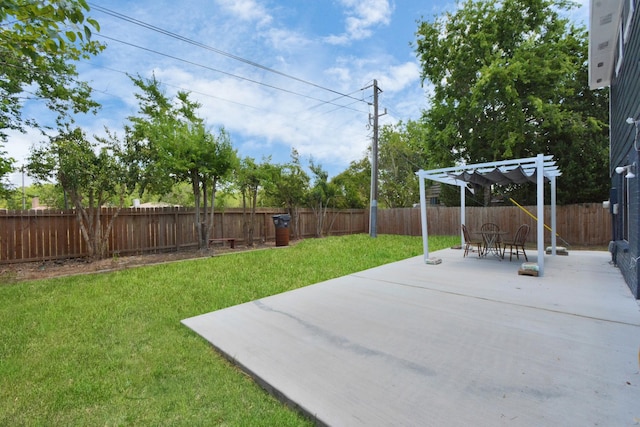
pixel 108 349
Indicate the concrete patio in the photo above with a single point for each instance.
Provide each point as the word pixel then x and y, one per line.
pixel 465 342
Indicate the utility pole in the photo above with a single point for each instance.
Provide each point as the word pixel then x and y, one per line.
pixel 373 212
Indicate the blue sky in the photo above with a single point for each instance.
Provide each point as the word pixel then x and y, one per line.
pixel 320 50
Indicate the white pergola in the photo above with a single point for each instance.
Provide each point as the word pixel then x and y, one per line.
pixel 533 169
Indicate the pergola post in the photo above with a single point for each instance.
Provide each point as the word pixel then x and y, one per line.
pixel 540 208
pixel 553 216
pixel 463 216
pixel 423 217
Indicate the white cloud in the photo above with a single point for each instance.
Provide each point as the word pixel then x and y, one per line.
pixel 337 40
pixel 247 10
pixel 362 16
pixel 402 76
pixel 365 15
pixel 285 40
pixel 342 74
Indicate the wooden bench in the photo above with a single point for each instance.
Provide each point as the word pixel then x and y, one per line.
pixel 230 240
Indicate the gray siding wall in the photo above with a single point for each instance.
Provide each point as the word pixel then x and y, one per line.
pixel 625 102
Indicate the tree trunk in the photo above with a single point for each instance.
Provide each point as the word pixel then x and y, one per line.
pixel 84 217
pixel 195 187
pixel 486 191
pixel 245 223
pixel 205 217
pixel 319 214
pixel 295 221
pixel 107 233
pixel 212 224
pixel 252 216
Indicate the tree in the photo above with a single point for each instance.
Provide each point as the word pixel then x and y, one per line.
pixel 39 45
pixel 90 174
pixel 180 195
pixel 168 143
pixel 510 81
pixel 402 154
pixel 353 185
pixel 287 188
pixel 50 195
pixel 13 199
pixel 6 167
pixel 250 178
pixel 321 196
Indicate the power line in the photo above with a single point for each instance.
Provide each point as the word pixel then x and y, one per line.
pixel 169 85
pixel 226 73
pixel 214 96
pixel 105 92
pixel 340 105
pixel 212 49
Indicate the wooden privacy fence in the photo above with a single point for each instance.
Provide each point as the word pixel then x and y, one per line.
pixel 580 225
pixel 39 235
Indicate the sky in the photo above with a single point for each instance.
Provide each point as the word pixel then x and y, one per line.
pixel 277 75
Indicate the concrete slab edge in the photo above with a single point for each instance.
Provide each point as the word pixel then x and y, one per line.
pixel 275 392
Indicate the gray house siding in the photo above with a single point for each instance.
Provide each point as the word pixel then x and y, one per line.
pixel 624 145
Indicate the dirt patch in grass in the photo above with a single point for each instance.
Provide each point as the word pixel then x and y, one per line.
pixel 11 273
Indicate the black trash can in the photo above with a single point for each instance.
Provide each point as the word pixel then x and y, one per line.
pixel 282 229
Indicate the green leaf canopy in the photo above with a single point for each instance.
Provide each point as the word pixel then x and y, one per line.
pixel 510 81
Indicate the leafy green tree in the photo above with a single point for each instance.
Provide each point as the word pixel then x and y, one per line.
pixel 90 174
pixel 168 143
pixel 250 179
pixel 509 81
pixel 216 165
pixel 40 41
pixel 13 198
pixel 179 195
pixel 50 195
pixel 402 151
pixel 6 167
pixel 287 188
pixel 144 138
pixel 321 197
pixel 353 185
pixel 401 154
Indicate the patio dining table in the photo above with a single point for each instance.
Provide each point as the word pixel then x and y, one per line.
pixel 491 242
